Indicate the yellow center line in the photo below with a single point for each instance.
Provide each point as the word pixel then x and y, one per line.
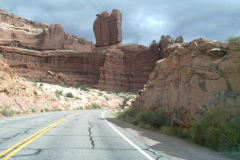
pixel 19 146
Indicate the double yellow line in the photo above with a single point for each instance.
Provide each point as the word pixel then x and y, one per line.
pixel 19 146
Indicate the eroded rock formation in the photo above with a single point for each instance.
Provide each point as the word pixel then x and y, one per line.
pixel 107 28
pixel 41 52
pixel 195 75
pixel 18 32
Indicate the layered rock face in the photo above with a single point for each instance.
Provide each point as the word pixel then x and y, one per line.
pixel 41 52
pixel 127 67
pixel 18 32
pixel 55 66
pixel 107 28
pixel 195 75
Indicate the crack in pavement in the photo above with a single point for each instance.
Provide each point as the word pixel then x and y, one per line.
pixel 90 134
pixel 38 151
pixel 13 136
pixel 17 134
pixel 153 152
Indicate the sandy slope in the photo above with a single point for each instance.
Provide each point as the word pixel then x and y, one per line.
pixel 85 96
pixel 18 96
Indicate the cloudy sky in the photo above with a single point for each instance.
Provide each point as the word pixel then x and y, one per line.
pixel 143 20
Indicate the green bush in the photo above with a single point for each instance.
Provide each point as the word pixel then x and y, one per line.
pixel 92 106
pixel 233 39
pixel 218 129
pixel 1 56
pixel 69 95
pixel 129 113
pixel 58 93
pixel 85 88
pixel 154 119
pixel 64 85
pixel 40 79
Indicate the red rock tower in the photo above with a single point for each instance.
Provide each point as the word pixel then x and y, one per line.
pixel 107 28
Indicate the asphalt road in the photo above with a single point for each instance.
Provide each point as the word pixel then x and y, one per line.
pixel 86 135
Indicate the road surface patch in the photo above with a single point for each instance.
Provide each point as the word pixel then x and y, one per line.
pixel 5 155
pixel 126 139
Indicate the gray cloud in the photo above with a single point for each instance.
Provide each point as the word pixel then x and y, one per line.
pixel 143 20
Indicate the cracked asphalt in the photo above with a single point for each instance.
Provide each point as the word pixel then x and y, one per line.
pixel 85 136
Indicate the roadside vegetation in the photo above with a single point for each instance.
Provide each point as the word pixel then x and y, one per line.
pixel 58 93
pixel 89 106
pixel 217 128
pixel 1 56
pixel 69 95
pixel 8 111
pixel 233 39
pixel 85 88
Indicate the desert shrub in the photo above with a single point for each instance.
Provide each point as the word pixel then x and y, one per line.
pixel 40 79
pixel 69 95
pixel 58 93
pixel 92 106
pixel 109 92
pixel 149 119
pixel 154 119
pixel 77 85
pixel 64 85
pixel 233 39
pixel 118 91
pixel 85 88
pixel 218 129
pixel 6 111
pixel 47 109
pixel 79 98
pixel 1 56
pixel 33 110
pixel 100 93
pixel 129 113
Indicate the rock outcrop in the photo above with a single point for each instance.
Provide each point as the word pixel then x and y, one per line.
pixel 179 39
pixel 107 28
pixel 163 44
pixel 154 48
pixel 194 76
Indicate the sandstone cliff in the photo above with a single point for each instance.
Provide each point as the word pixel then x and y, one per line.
pixel 19 32
pixel 127 67
pixel 194 76
pixel 18 96
pixel 42 52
